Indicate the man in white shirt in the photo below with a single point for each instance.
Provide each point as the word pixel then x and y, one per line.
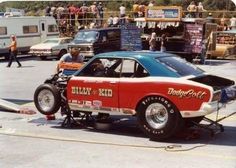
pixel 115 21
pixel 122 14
pixel 233 23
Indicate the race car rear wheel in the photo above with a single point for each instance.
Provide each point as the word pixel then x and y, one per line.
pixel 47 99
pixel 158 118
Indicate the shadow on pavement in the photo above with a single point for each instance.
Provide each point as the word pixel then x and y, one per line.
pixel 127 126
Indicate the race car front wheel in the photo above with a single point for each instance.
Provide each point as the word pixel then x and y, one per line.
pixel 47 99
pixel 158 118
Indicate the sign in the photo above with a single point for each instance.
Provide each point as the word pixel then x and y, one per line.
pixel 193 38
pixel 163 13
pixel 131 37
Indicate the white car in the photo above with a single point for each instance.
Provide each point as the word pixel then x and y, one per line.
pixel 51 47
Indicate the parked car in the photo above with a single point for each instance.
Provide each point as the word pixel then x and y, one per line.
pixel 162 90
pixel 51 47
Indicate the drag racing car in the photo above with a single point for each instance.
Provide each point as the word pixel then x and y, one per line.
pixel 162 90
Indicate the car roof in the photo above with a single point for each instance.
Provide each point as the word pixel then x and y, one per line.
pixel 136 54
pixel 146 58
pixel 100 29
pixel 59 38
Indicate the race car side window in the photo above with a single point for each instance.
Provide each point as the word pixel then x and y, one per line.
pixel 131 68
pixel 102 67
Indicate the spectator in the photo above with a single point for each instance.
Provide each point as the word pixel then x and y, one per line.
pixel 192 8
pixel 205 43
pixel 122 14
pixel 83 11
pixel 13 52
pixel 63 25
pixel 79 16
pixel 53 12
pixel 110 21
pixel 59 12
pixel 223 26
pixel 47 11
pixel 233 23
pixel 142 9
pixel 163 42
pixel 135 9
pixel 200 9
pixel 209 18
pixel 94 11
pixel 115 21
pixel 100 12
pixel 72 12
pixel 151 4
pixel 153 42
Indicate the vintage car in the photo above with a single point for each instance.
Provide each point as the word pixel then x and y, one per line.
pixel 51 47
pixel 162 90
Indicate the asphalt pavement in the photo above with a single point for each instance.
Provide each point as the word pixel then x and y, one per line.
pixel 33 141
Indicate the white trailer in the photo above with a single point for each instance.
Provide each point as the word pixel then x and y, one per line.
pixel 29 30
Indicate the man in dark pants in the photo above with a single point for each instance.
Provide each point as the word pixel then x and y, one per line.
pixel 13 52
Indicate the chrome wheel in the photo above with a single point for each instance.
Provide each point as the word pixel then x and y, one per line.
pixel 46 100
pixel 156 115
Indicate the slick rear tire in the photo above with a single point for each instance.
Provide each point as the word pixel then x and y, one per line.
pixel 47 99
pixel 158 118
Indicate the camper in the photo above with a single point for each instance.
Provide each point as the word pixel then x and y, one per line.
pixel 29 30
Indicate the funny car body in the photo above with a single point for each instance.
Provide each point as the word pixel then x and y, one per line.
pixel 162 90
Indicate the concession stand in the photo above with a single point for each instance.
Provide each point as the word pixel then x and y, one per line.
pixel 184 35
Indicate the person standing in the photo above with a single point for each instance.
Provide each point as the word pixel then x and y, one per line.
pixel 192 8
pixel 205 44
pixel 122 14
pixel 153 42
pixel 13 52
pixel 135 9
pixel 94 11
pixel 199 10
pixel 72 56
pixel 163 42
pixel 233 23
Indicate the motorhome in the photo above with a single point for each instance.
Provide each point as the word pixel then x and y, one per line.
pixel 29 30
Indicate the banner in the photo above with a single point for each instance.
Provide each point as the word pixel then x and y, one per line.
pixel 164 13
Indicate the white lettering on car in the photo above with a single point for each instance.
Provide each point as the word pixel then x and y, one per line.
pixel 191 93
pixel 81 90
pixel 105 92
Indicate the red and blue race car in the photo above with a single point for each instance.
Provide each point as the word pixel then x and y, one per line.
pixel 162 90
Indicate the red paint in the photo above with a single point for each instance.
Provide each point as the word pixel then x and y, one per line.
pixel 127 94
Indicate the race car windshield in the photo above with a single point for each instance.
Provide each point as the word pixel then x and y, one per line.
pixel 180 66
pixel 89 36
